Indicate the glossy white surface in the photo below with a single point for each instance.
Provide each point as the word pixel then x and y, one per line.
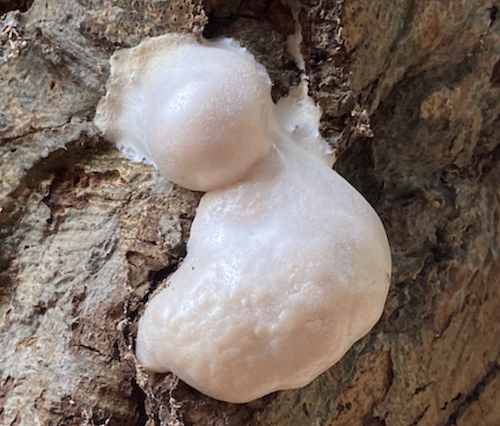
pixel 199 113
pixel 284 272
pixel 287 264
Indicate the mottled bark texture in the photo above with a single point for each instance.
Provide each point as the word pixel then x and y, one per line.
pixel 87 236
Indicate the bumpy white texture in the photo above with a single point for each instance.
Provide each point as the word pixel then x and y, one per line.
pixel 299 116
pixel 287 265
pixel 284 272
pixel 198 112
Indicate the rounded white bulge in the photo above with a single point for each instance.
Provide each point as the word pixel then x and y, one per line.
pixel 284 272
pixel 287 264
pixel 200 113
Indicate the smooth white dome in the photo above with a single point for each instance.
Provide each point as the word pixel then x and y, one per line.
pixel 287 265
pixel 199 112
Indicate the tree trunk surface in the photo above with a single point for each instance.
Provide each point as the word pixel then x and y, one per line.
pixel 411 97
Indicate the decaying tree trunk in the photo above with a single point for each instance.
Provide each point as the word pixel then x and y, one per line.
pixel 86 235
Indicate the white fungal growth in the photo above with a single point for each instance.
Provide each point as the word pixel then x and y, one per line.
pixel 287 264
pixel 198 112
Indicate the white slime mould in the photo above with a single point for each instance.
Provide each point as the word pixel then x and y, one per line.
pixel 287 264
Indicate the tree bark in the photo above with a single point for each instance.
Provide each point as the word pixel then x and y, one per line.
pixel 411 99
